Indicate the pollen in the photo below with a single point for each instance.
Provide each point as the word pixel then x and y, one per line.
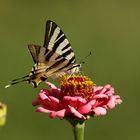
pixel 77 85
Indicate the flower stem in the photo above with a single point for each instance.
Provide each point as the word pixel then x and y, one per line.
pixel 78 128
pixel 78 131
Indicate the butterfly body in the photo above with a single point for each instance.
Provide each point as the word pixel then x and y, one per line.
pixel 54 59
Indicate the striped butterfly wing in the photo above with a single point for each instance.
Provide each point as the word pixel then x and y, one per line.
pixel 56 41
pixel 56 52
pixel 60 49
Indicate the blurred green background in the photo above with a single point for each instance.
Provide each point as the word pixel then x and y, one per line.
pixel 110 29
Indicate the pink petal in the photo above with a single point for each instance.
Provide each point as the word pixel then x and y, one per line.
pixel 69 98
pixel 111 103
pixel 53 99
pixel 99 111
pixel 82 100
pixel 100 96
pixel 51 85
pixel 97 88
pixel 43 91
pixel 42 96
pixel 85 109
pixel 35 102
pixel 76 98
pixel 59 114
pixel 114 100
pixel 42 109
pixel 54 89
pixel 75 112
pixel 103 90
pixel 108 86
pixel 109 93
pixel 118 99
pixel 74 101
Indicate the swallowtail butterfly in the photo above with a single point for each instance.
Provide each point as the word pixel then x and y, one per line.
pixel 54 59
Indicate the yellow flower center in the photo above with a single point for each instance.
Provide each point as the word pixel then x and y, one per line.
pixel 77 86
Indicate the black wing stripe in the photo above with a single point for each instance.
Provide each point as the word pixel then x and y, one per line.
pixel 60 34
pixel 67 46
pixel 74 66
pixel 56 45
pixel 70 62
pixel 48 56
pixel 47 33
pixel 58 57
pixel 55 64
pixel 67 53
pixel 54 27
pixel 47 51
pixel 51 27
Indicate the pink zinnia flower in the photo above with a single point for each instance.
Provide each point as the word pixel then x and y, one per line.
pixel 77 97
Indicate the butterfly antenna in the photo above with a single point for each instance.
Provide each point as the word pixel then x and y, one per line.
pixel 18 80
pixel 82 61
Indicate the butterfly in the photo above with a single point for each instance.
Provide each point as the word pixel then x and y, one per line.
pixel 52 60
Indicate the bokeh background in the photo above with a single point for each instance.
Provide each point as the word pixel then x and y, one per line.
pixel 110 29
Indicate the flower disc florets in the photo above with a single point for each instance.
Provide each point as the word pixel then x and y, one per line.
pixel 77 86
